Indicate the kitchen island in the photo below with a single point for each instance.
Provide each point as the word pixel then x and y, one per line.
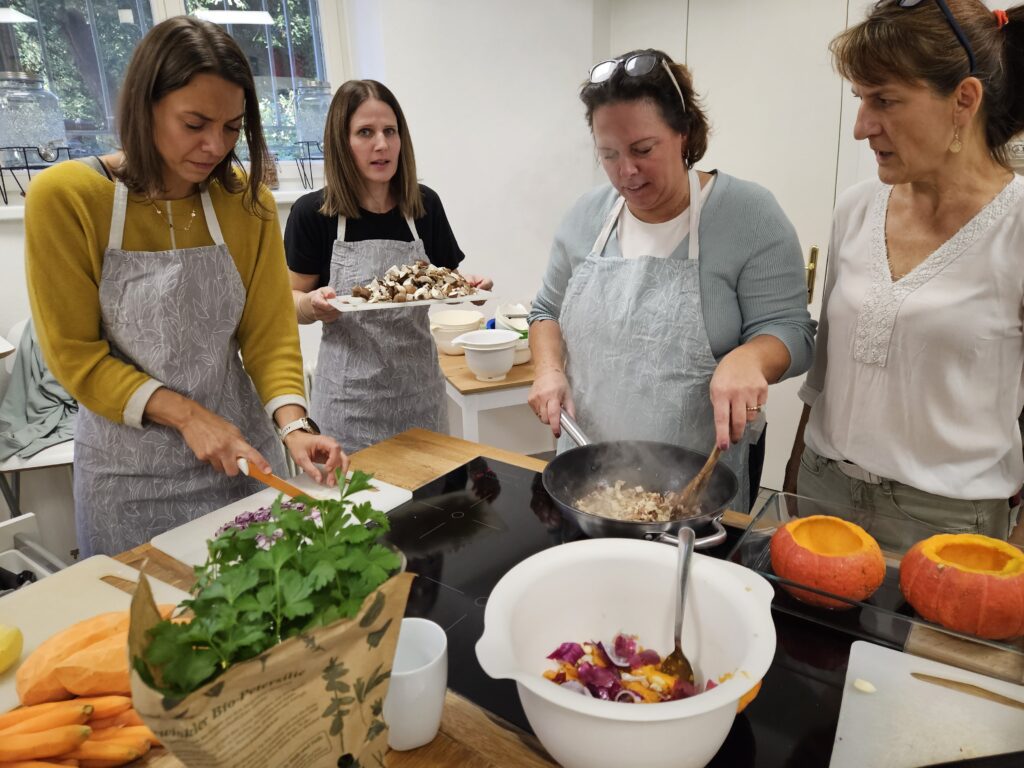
pixel 792 722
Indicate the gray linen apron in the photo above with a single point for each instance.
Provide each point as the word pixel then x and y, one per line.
pixel 638 357
pixel 173 314
pixel 377 373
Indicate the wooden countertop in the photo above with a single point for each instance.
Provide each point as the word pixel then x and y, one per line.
pixel 469 735
pixel 464 380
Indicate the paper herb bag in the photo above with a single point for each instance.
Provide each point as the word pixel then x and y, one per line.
pixel 312 701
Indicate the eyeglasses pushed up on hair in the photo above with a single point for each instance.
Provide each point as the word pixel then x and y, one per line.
pixel 637 65
pixel 960 36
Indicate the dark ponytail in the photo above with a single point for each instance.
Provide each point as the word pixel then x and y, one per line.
pixel 1013 56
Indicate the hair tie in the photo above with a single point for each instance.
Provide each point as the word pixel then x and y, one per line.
pixel 1001 18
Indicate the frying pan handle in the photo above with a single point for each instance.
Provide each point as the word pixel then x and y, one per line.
pixel 572 429
pixel 704 542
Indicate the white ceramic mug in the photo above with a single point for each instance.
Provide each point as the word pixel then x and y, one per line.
pixel 419 680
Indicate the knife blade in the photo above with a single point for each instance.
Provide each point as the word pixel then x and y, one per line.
pixel 968 688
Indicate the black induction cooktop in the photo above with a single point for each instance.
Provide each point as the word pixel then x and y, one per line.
pixel 461 533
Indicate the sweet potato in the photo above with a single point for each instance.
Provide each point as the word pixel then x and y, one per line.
pixel 126 719
pixel 99 670
pixel 35 679
pixel 55 742
pixel 75 714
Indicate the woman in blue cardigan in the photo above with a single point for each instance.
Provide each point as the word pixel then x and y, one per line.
pixel 673 297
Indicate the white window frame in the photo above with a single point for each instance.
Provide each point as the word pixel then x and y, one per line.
pixel 337 63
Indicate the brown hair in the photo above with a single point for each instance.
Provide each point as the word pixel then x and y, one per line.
pixel 166 59
pixel 918 44
pixel 343 184
pixel 658 89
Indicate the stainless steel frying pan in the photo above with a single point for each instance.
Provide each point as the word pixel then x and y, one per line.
pixel 657 467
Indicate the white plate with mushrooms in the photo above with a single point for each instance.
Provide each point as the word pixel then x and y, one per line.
pixel 355 304
pixel 410 285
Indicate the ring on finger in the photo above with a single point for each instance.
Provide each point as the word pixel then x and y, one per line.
pixel 755 408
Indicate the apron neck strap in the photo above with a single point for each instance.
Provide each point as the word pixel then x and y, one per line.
pixel 343 223
pixel 609 224
pixel 211 219
pixel 117 218
pixel 118 215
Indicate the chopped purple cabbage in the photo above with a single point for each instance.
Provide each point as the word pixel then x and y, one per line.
pixel 570 653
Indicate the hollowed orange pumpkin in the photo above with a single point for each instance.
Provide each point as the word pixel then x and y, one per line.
pixel 967 582
pixel 830 554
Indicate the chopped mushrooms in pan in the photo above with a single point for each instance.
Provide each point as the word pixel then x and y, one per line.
pixel 620 503
pixel 415 282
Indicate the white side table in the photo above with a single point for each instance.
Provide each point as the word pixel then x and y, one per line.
pixel 474 396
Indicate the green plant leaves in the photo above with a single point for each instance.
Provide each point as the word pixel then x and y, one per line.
pixel 299 570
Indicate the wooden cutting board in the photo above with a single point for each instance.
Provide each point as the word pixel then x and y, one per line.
pixel 907 722
pixel 187 543
pixel 78 592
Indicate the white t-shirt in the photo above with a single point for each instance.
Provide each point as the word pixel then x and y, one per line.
pixel 639 238
pixel 920 380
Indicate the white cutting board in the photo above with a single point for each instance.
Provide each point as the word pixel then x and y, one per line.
pixel 187 542
pixel 908 722
pixel 64 598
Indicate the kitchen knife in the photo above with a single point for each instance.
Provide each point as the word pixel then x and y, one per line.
pixel 275 482
pixel 968 688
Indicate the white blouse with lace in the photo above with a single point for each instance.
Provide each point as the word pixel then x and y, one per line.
pixel 921 380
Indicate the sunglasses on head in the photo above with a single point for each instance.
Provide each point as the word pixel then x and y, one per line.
pixel 960 36
pixel 637 65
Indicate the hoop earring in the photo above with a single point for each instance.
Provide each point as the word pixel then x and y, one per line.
pixel 956 145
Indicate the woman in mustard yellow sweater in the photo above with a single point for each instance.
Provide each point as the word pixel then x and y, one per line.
pixel 160 295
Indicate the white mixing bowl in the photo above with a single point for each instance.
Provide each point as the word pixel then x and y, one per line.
pixel 594 589
pixel 449 324
pixel 489 354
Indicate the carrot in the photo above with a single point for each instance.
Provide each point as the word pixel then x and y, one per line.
pixel 109 751
pixel 107 706
pixel 21 714
pixel 127 718
pixel 76 714
pixel 121 733
pixel 38 764
pixel 52 743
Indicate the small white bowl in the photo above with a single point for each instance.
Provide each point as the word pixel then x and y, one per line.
pixel 513 324
pixel 444 337
pixel 522 352
pixel 456 320
pixel 489 354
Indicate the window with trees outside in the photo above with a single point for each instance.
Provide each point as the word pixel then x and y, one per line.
pixel 78 50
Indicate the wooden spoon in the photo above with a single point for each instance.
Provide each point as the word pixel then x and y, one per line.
pixel 686 502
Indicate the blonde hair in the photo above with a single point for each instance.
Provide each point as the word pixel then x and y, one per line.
pixel 344 184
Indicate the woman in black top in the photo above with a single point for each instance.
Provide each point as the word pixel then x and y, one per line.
pixel 377 372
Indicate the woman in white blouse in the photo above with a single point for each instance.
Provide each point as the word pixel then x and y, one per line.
pixel 912 402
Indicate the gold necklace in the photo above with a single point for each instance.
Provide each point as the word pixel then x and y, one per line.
pixel 170 225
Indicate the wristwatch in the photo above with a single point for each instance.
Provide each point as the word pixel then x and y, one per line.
pixel 306 424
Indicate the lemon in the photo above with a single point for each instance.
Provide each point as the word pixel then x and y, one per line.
pixel 11 642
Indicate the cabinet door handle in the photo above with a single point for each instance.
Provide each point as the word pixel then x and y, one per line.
pixel 812 269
